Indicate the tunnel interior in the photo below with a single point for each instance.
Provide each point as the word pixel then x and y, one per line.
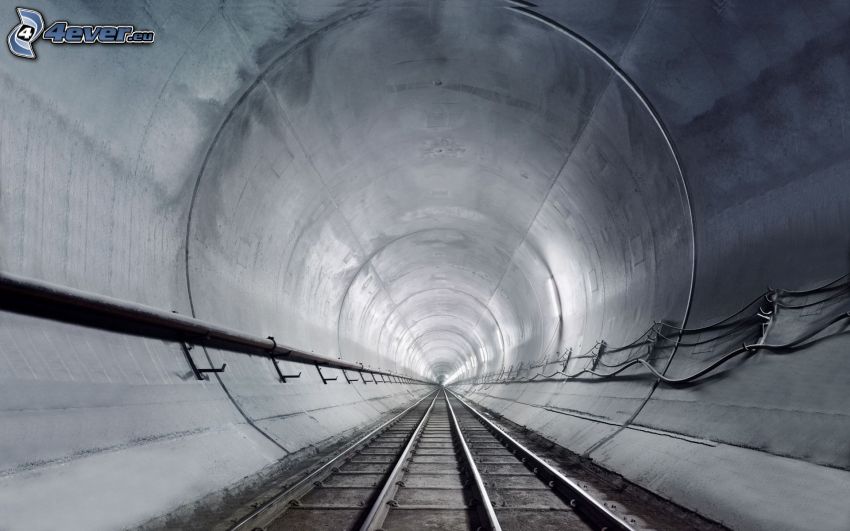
pixel 397 222
pixel 508 199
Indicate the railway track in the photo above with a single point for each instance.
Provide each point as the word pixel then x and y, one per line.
pixel 434 484
pixel 437 465
pixel 526 491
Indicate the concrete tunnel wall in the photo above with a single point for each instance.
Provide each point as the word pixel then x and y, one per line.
pixel 446 189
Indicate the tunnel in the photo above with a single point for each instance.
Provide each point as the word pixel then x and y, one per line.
pixel 620 227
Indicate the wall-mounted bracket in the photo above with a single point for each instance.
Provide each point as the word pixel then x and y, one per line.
pixel 373 378
pixel 599 353
pixel 322 376
pixel 362 378
pixel 199 373
pixel 282 376
pixel 567 359
pixel 347 379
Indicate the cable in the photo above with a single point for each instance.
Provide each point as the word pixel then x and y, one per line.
pixel 738 325
pixel 793 345
pixel 541 374
pixel 636 342
pixel 826 287
pixel 814 303
pixel 723 323
pixel 718 323
pixel 621 363
pixel 800 342
pixel 734 327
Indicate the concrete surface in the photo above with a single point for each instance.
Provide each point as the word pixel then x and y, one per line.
pixel 445 188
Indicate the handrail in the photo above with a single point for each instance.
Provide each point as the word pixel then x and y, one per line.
pixel 37 297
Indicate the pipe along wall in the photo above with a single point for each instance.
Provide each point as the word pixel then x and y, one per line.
pixel 477 194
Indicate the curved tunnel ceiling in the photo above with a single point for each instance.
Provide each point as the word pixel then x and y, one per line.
pixel 452 188
pixel 455 190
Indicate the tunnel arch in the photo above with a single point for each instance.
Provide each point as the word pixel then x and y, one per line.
pixel 443 154
pixel 246 166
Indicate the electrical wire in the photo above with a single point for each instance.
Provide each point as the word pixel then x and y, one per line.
pixel 621 363
pixel 793 345
pixel 636 342
pixel 826 287
pixel 797 344
pixel 642 340
pixel 740 324
pixel 718 323
pixel 814 303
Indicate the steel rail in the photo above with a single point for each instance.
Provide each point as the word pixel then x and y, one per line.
pixel 580 500
pixel 308 482
pixel 30 296
pixel 378 512
pixel 488 511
